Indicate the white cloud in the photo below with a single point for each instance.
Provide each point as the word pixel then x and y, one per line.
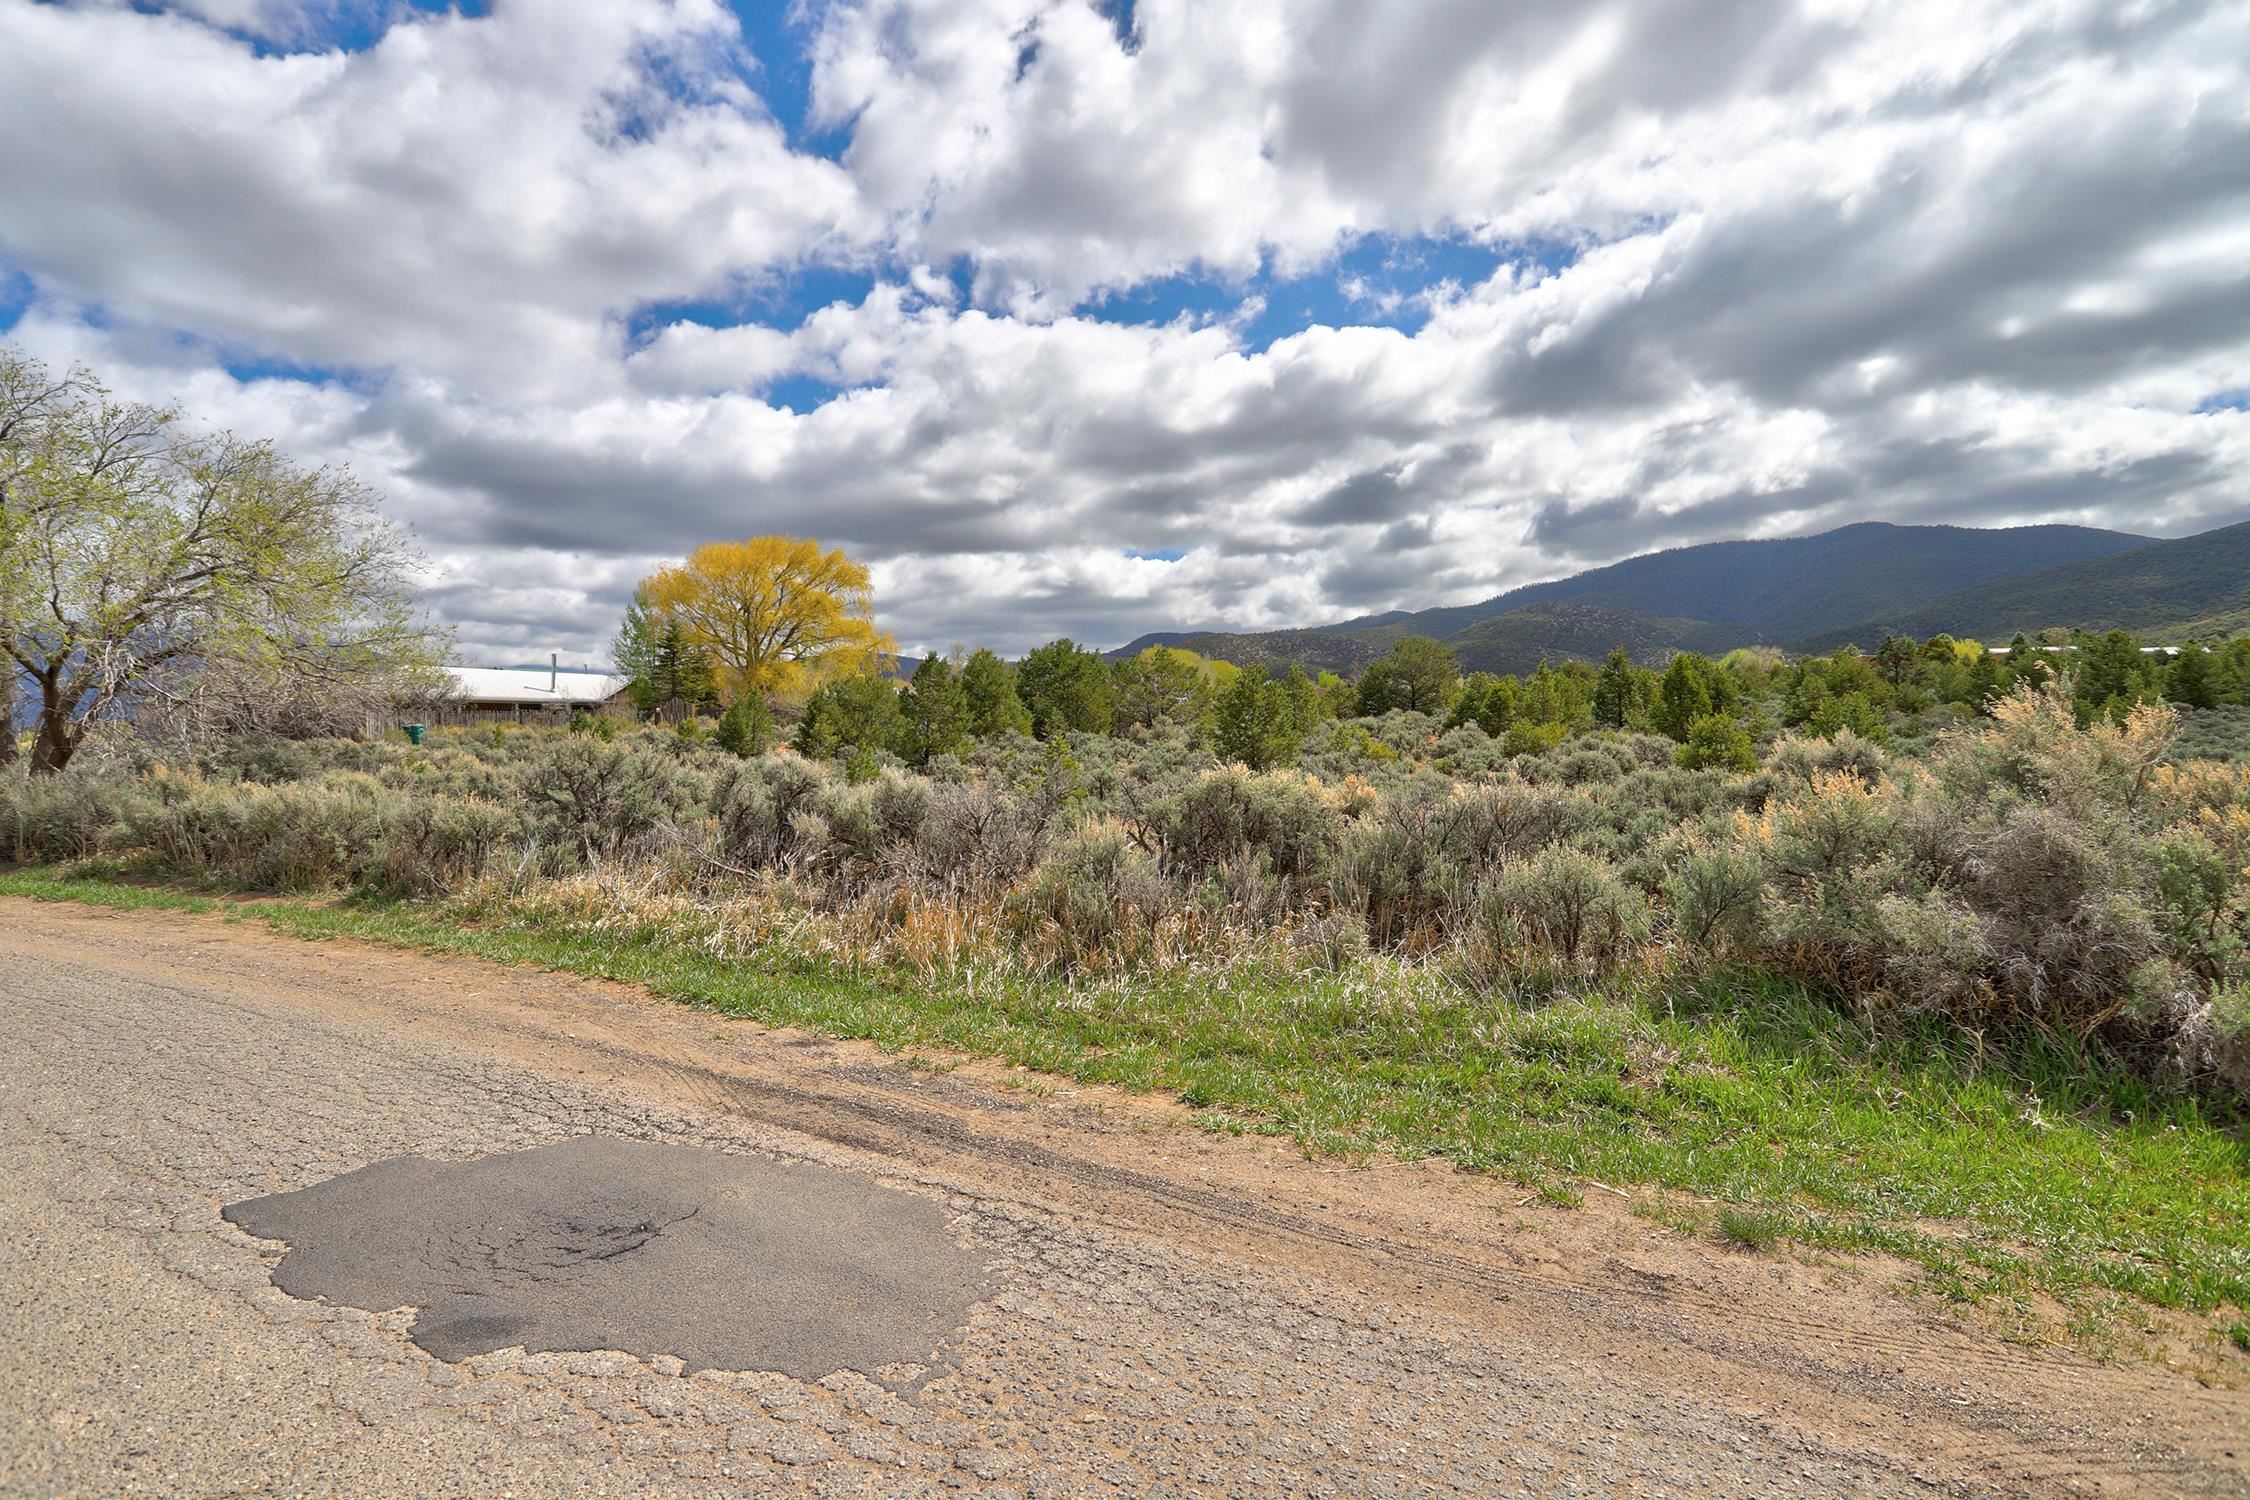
pixel 474 198
pixel 1827 261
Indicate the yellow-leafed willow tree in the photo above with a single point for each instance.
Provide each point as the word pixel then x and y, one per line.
pixel 192 582
pixel 778 615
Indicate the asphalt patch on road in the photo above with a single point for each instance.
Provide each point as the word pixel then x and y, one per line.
pixel 727 1262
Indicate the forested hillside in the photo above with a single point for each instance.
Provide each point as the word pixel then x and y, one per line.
pixel 1707 598
pixel 2195 588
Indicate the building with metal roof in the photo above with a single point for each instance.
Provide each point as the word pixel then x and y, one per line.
pixel 479 694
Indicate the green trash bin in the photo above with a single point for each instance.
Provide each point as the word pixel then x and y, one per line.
pixel 414 734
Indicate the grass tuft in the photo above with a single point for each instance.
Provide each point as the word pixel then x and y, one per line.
pixel 1749 1229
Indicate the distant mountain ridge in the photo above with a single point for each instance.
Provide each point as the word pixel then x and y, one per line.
pixel 2195 587
pixel 1709 597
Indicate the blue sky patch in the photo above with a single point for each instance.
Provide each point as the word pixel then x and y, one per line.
pixel 783 303
pixel 1383 281
pixel 16 296
pixel 248 367
pixel 781 71
pixel 802 394
pixel 348 26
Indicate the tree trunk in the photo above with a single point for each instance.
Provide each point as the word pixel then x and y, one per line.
pixel 53 743
pixel 52 747
pixel 8 751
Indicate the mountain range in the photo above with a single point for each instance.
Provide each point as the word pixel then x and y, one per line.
pixel 1855 584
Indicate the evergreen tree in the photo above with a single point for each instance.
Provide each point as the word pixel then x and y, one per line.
pixel 682 671
pixel 658 661
pixel 1896 658
pixel 1614 693
pixel 1067 686
pixel 1239 719
pixel 2190 679
pixel 860 713
pixel 746 728
pixel 1853 711
pixel 1164 685
pixel 1262 722
pixel 2111 675
pixel 634 652
pixel 1715 741
pixel 937 712
pixel 988 687
pixel 1683 696
pixel 1469 704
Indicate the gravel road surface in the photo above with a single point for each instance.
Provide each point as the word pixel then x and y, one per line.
pixel 1159 1310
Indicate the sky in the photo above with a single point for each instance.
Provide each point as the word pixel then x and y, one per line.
pixel 1078 318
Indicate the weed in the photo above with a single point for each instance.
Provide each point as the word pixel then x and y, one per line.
pixel 1749 1228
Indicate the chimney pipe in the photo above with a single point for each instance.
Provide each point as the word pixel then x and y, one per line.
pixel 554 671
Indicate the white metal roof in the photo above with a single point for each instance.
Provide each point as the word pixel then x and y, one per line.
pixel 530 685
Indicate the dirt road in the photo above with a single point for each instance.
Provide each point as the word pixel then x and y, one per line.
pixel 1161 1310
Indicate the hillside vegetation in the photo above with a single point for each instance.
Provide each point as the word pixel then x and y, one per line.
pixel 2196 588
pixel 1518 641
pixel 1709 598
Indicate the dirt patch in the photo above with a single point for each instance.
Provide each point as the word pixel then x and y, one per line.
pixel 722 1261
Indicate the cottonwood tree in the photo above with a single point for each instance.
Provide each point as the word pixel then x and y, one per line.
pixel 155 573
pixel 779 615
pixel 1417 674
pixel 32 401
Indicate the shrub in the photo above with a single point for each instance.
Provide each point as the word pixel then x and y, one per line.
pixel 2199 900
pixel 1716 895
pixel 761 805
pixel 308 835
pixel 1398 870
pixel 261 759
pixel 871 823
pixel 72 816
pixel 1795 758
pixel 1824 853
pixel 1230 815
pixel 435 844
pixel 1481 826
pixel 1565 903
pixel 981 835
pixel 594 799
pixel 1095 902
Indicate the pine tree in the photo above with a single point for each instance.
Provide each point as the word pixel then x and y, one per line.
pixel 1683 697
pixel 746 728
pixel 634 653
pixel 988 686
pixel 937 712
pixel 1613 691
pixel 1243 719
pixel 2190 680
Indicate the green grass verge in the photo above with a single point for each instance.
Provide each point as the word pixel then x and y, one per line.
pixel 1766 1114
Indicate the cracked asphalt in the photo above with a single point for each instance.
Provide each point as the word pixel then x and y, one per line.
pixel 1160 1311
